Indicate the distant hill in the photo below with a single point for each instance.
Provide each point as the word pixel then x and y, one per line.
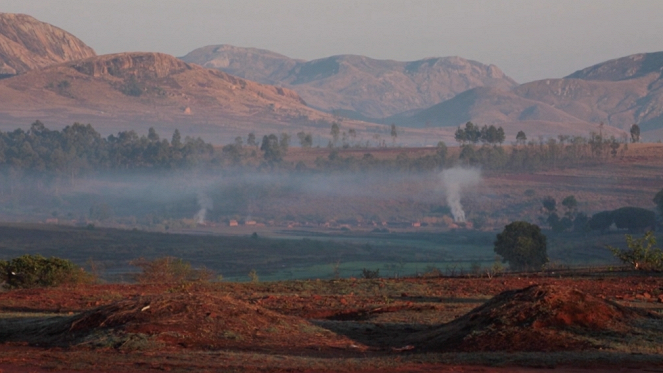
pixel 492 106
pixel 617 103
pixel 356 86
pixel 618 93
pixel 138 90
pixel 629 67
pixel 26 44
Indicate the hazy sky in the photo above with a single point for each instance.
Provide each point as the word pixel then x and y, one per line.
pixel 527 39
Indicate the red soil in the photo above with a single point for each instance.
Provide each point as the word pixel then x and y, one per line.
pixel 537 318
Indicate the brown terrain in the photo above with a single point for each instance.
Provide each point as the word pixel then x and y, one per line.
pixel 492 106
pixel 605 322
pixel 356 86
pixel 426 98
pixel 27 44
pixel 617 93
pixel 138 90
pixel 447 92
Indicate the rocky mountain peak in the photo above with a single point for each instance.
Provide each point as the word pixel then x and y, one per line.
pixel 26 44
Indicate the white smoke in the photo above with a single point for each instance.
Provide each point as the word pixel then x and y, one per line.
pixel 455 182
pixel 205 204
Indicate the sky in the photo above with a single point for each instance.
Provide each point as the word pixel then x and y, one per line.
pixel 527 39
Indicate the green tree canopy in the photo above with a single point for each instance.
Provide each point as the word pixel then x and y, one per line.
pixel 522 245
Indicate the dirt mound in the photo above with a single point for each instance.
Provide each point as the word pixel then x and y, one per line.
pixel 197 321
pixel 537 318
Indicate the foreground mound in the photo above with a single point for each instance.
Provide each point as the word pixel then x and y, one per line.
pixel 537 318
pixel 200 321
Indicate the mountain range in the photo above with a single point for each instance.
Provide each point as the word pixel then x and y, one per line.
pixel 223 91
pixel 356 86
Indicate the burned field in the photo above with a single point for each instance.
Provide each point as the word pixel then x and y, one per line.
pixel 410 324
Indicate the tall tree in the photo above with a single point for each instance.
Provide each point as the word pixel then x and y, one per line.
pixel 635 133
pixel 335 132
pixel 521 138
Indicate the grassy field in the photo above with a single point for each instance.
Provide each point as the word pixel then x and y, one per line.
pixel 296 254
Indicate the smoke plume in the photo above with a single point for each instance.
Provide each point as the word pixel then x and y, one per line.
pixel 455 181
pixel 205 204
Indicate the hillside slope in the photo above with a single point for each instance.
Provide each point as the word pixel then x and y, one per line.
pixel 619 92
pixel 137 90
pixel 492 106
pixel 26 44
pixel 356 86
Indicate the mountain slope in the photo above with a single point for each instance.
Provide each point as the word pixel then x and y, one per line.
pixel 136 90
pixel 618 103
pixel 629 67
pixel 491 106
pixel 26 44
pixel 488 106
pixel 356 85
pixel 618 93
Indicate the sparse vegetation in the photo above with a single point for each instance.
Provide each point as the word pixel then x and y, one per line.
pixel 32 271
pixel 169 270
pixel 641 253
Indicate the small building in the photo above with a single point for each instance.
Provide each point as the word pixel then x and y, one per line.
pixel 233 223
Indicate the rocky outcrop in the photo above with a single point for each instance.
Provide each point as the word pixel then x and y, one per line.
pixel 356 85
pixel 139 65
pixel 26 44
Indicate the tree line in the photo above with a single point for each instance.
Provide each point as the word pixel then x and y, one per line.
pixel 79 148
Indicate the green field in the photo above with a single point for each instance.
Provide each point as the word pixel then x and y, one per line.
pixel 282 255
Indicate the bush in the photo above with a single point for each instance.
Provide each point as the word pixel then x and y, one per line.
pixel 641 253
pixel 368 274
pixel 32 271
pixel 522 245
pixel 169 270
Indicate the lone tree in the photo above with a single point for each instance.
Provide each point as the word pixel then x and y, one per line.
pixel 522 245
pixel 635 133
pixel 521 138
pixel 335 132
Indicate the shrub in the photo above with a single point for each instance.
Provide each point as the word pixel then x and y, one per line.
pixel 368 274
pixel 253 276
pixel 169 270
pixel 641 253
pixel 32 271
